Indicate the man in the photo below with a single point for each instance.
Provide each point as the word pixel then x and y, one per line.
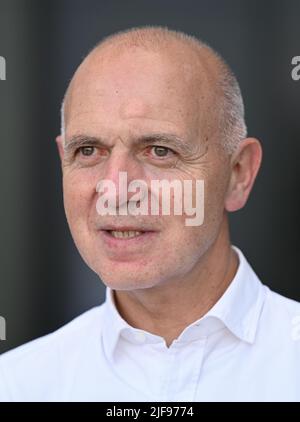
pixel 186 318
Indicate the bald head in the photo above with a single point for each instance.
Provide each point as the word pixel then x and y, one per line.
pixel 210 85
pixel 154 105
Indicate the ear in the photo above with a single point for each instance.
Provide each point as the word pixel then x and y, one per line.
pixel 245 164
pixel 60 147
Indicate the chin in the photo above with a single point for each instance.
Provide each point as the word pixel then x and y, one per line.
pixel 127 284
pixel 127 281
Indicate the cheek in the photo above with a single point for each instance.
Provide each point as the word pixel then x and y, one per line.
pixel 199 237
pixel 78 193
pixel 215 192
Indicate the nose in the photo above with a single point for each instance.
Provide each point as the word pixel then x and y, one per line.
pixel 121 168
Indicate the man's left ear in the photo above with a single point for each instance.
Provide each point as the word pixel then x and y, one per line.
pixel 245 164
pixel 60 147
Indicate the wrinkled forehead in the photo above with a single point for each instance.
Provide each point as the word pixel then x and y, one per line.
pixel 173 84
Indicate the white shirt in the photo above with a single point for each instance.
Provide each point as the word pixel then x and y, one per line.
pixel 246 348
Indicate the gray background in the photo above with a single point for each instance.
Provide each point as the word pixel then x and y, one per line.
pixel 43 281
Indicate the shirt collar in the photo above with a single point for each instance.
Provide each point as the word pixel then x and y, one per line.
pixel 240 306
pixel 238 310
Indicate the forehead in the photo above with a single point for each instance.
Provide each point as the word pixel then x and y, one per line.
pixel 139 85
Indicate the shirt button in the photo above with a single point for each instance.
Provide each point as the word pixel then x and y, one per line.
pixel 140 337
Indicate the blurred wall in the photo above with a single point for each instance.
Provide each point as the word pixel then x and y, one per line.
pixel 43 281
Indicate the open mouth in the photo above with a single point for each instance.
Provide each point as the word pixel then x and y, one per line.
pixel 124 234
pixel 121 236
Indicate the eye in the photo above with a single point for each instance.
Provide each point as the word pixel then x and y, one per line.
pixel 160 151
pixel 86 151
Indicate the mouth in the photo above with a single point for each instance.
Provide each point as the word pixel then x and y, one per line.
pixel 131 236
pixel 124 234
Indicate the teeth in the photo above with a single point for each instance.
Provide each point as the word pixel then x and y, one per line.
pixel 122 235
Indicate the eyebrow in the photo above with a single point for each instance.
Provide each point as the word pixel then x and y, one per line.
pixel 78 141
pixel 169 140
pixel 166 139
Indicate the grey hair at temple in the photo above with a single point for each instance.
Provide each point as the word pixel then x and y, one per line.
pixel 232 126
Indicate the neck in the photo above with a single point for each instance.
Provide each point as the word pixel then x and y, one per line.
pixel 166 310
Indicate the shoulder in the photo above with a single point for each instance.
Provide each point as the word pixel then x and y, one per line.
pixel 281 319
pixel 281 307
pixel 65 336
pixel 40 361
